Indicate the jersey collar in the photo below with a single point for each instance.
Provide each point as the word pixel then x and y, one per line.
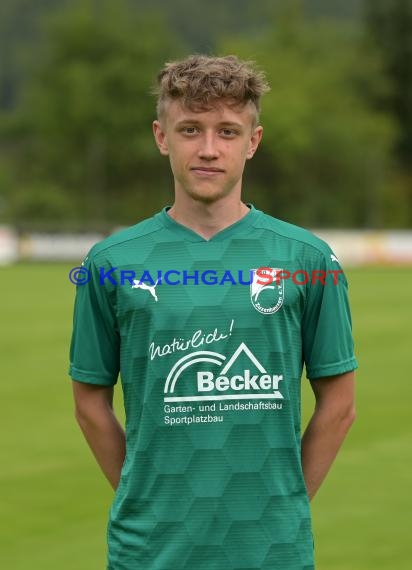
pixel 188 234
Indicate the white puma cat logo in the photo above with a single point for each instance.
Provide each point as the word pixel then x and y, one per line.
pixel 150 288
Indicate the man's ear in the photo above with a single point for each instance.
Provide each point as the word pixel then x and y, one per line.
pixel 254 141
pixel 160 138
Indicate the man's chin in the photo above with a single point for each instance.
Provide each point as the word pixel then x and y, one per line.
pixel 208 196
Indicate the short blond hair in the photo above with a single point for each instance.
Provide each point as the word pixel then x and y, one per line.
pixel 201 81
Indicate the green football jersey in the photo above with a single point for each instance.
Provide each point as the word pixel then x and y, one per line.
pixel 210 338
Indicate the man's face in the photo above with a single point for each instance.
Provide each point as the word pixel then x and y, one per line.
pixel 208 148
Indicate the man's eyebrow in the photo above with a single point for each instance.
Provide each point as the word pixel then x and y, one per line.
pixel 231 124
pixel 186 121
pixel 221 124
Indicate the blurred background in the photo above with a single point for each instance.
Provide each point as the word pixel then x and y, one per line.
pixel 78 160
pixel 76 110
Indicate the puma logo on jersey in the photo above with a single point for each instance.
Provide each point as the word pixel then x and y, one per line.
pixel 151 288
pixel 334 258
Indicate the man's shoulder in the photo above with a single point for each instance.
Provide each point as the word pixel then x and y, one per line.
pixel 120 239
pixel 287 231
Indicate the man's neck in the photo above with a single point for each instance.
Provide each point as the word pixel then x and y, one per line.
pixel 208 219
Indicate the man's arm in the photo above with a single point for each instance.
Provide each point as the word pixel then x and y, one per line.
pixel 103 432
pixel 333 416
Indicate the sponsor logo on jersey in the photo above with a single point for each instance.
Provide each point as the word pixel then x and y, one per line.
pixel 216 381
pixel 267 298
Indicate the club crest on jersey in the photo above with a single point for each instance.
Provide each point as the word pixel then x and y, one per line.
pixel 267 298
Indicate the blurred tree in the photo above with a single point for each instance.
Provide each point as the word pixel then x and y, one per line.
pixel 390 25
pixel 19 32
pixel 336 9
pixel 324 156
pixel 196 24
pixel 201 24
pixel 84 125
pixel 78 150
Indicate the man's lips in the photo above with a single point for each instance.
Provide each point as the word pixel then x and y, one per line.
pixel 207 169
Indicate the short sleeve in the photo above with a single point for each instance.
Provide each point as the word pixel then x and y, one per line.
pixel 95 346
pixel 328 347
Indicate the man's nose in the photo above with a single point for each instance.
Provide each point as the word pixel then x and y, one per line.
pixel 208 149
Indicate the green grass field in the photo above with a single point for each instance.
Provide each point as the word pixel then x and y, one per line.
pixel 54 500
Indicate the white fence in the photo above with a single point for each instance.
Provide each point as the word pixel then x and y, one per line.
pixel 9 245
pixel 350 246
pixel 370 247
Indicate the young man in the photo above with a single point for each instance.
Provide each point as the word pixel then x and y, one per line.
pixel 209 310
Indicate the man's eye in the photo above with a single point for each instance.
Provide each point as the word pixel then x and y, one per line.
pixel 189 130
pixel 228 132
